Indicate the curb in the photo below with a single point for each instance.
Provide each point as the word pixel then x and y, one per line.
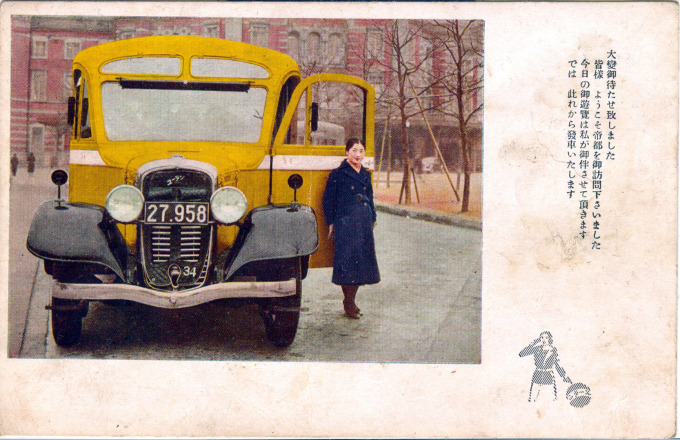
pixel 444 219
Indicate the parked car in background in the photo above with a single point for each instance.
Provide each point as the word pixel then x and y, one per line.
pixel 430 164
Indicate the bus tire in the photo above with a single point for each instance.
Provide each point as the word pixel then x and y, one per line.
pixel 66 324
pixel 281 315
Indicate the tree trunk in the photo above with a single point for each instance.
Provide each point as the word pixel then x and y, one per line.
pixel 466 193
pixel 405 181
pixel 465 150
pixel 462 125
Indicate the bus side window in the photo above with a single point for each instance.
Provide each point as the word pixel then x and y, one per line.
pixel 341 107
pixel 73 117
pixel 85 129
pixel 286 92
pixel 341 115
pixel 296 130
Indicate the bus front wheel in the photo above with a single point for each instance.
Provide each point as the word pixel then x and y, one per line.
pixel 67 321
pixel 281 315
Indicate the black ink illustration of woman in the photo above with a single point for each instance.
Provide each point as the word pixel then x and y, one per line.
pixel 547 362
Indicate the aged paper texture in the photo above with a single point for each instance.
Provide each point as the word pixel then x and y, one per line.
pixel 607 296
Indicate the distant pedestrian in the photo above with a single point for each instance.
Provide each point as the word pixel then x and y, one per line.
pixel 31 162
pixel 14 164
pixel 546 361
pixel 349 211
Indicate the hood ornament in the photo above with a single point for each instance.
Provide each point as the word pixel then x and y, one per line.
pixel 174 272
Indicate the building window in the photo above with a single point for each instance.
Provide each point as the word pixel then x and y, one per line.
pixel 39 49
pixel 377 80
pixel 39 85
pixel 125 34
pixel 336 50
pixel 293 45
pixel 313 48
pixel 36 138
pixel 71 48
pixel 67 86
pixel 259 35
pixel 468 72
pixel 427 57
pixel 175 30
pixel 374 44
pixel 211 30
pixel 426 54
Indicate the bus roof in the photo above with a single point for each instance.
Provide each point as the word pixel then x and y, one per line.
pixel 186 47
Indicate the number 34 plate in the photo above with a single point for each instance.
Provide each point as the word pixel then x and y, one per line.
pixel 176 213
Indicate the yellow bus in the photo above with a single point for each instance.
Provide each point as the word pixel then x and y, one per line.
pixel 194 176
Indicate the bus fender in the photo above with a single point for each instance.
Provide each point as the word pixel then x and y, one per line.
pixel 275 232
pixel 79 233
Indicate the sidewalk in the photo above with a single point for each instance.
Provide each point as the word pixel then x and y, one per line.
pixel 435 200
pixel 27 192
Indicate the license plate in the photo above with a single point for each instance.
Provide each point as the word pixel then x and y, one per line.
pixel 176 213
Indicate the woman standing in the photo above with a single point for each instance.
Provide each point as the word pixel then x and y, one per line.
pixel 350 213
pixel 545 359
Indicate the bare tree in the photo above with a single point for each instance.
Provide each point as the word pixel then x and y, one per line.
pixel 61 127
pixel 461 78
pixel 56 125
pixel 400 37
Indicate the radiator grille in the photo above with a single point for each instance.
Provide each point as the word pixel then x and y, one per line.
pixel 190 243
pixel 161 237
pixel 187 246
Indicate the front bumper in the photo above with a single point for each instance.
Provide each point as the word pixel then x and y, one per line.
pixel 173 300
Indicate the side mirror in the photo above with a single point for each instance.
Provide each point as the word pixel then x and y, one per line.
pixel 59 177
pixel 315 116
pixel 295 182
pixel 71 114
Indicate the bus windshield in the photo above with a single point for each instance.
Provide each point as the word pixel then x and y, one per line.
pixel 155 112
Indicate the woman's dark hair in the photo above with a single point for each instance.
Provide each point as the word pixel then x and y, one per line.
pixel 550 338
pixel 351 142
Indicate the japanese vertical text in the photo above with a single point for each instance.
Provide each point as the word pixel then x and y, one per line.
pixel 591 138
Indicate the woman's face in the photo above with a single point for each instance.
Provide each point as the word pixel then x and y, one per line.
pixel 355 155
pixel 545 339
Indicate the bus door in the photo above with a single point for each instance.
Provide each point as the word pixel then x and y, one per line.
pixel 324 111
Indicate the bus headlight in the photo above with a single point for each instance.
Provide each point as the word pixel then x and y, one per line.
pixel 125 203
pixel 228 205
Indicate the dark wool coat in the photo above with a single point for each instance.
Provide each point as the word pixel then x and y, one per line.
pixel 348 206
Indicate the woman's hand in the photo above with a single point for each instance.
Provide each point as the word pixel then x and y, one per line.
pixel 330 232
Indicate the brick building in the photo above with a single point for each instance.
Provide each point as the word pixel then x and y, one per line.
pixel 42 53
pixel 43 49
pixel 363 47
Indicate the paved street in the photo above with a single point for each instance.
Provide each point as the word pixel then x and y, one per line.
pixel 426 309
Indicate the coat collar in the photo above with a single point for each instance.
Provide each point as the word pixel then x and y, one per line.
pixel 347 169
